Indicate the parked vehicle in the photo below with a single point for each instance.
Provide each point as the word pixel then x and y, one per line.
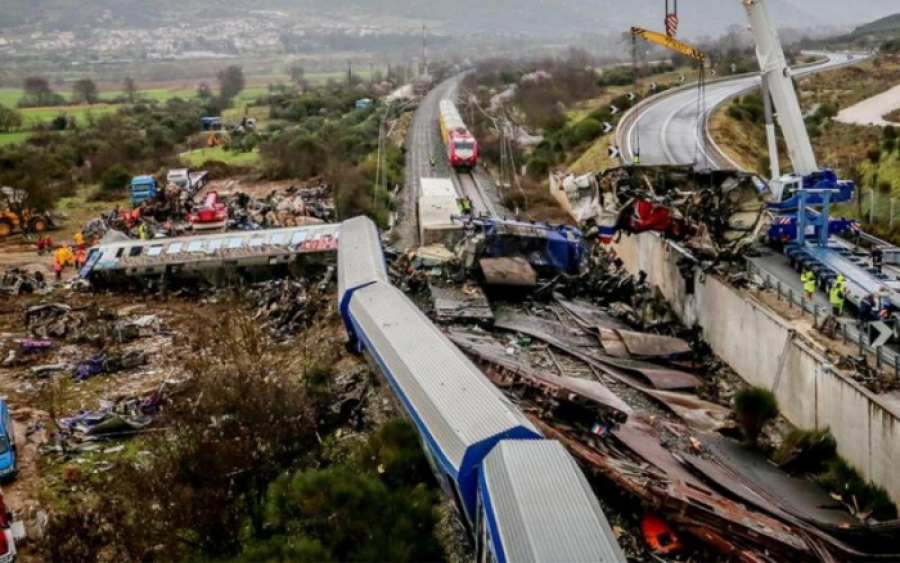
pixel 10 221
pixel 141 188
pixel 9 461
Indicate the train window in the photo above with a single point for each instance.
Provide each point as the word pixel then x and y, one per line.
pixel 464 146
pixel 155 250
pixel 135 250
pixel 298 237
pixel 195 246
pixel 235 242
pixel 174 248
pixel 120 252
pixel 278 238
pixel 216 244
pixel 258 240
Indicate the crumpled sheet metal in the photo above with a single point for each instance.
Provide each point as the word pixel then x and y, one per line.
pixel 582 346
pixel 593 391
pixel 742 534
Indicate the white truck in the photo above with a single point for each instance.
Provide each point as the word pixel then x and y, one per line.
pixel 190 182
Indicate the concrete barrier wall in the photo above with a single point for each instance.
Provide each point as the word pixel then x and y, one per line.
pixel 751 339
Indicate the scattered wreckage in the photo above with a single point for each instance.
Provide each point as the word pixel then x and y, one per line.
pixel 713 213
pixel 17 282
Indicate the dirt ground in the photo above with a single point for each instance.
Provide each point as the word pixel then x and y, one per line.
pixel 39 476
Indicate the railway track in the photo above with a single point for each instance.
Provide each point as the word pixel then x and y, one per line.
pixel 468 186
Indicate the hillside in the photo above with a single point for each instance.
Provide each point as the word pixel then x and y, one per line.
pixel 497 17
pixel 890 23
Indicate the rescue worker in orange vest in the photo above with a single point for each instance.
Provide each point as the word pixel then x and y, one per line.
pixel 79 241
pixel 80 255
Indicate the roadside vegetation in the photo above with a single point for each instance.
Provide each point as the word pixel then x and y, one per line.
pixel 303 131
pixel 250 465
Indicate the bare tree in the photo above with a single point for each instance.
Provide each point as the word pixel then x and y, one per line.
pixel 231 81
pixel 85 91
pixel 130 88
pixel 38 91
pixel 204 92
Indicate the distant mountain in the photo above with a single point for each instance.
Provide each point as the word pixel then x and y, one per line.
pixel 889 23
pixel 560 18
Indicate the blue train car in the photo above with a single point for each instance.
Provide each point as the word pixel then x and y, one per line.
pixel 459 414
pixel 534 505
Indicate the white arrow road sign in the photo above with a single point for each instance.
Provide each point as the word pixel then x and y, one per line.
pixel 613 110
pixel 680 78
pixel 613 151
pixel 652 86
pixel 713 72
pixel 630 96
pixel 884 333
pixel 607 126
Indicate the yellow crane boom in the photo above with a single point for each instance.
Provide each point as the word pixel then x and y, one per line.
pixel 669 43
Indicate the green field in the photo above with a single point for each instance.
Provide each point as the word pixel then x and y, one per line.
pixel 82 114
pixel 9 97
pixel 14 137
pixel 197 158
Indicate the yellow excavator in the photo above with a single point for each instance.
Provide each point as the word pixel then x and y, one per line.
pixel 10 222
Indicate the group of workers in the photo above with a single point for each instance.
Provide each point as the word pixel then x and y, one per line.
pixel 65 255
pixel 874 306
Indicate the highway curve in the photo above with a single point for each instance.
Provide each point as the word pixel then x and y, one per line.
pixel 670 129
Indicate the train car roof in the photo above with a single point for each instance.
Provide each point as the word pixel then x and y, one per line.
pixel 360 257
pixel 540 506
pixel 441 389
pixel 229 245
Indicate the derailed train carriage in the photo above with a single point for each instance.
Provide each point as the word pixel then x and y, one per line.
pixel 520 498
pixel 249 253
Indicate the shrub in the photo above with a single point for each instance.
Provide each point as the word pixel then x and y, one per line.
pixel 587 130
pixel 114 179
pixel 754 408
pixel 806 451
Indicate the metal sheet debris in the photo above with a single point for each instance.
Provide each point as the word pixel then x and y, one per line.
pixel 513 372
pixel 514 271
pixel 459 302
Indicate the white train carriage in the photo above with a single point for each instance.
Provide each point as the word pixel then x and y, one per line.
pixel 208 252
pixel 457 411
pixel 535 505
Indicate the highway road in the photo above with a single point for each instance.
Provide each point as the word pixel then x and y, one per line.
pixel 670 130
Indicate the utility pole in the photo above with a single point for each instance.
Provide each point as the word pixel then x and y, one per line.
pixel 424 49
pixel 349 73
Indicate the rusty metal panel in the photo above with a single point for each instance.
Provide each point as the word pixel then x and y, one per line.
pixel 643 344
pixel 659 377
pixel 508 271
pixel 584 388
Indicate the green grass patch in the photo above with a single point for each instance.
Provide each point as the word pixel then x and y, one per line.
pixel 81 113
pixel 14 137
pixel 10 96
pixel 80 211
pixel 197 158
